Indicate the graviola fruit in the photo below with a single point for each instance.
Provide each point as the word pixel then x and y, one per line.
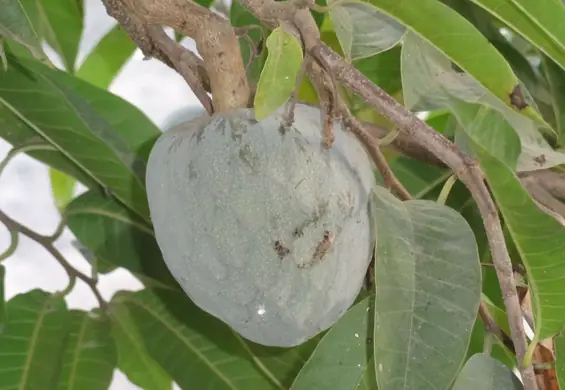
pixel 261 225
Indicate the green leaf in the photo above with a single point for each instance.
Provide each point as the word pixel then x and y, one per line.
pixel 198 351
pixel 477 56
pixel 428 286
pixel 15 24
pixel 539 238
pixel 61 24
pixel 18 134
pixel 32 341
pixel 556 78
pixel 3 316
pixel 105 136
pixel 117 236
pixel 559 346
pixel 343 355
pixel 278 78
pixel 62 188
pixel 133 358
pixel 383 69
pixel 429 83
pixel 485 373
pixel 107 59
pixel 89 359
pixel 362 30
pixel 538 22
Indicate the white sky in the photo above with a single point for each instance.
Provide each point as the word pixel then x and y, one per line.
pixel 25 192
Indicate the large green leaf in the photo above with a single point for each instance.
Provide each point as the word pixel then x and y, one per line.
pixel 477 56
pixel 198 351
pixel 428 285
pixel 343 355
pixel 133 358
pixel 485 373
pixel 278 78
pixel 103 135
pixel 539 238
pixel 108 57
pixel 19 135
pixel 430 83
pixel 89 359
pixel 556 79
pixel 539 22
pixel 32 341
pixel 15 24
pixel 117 236
pixel 61 24
pixel 362 30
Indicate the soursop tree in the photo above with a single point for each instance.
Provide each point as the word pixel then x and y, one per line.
pixel 370 195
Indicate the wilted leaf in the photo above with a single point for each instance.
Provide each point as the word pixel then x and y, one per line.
pixel 485 373
pixel 539 238
pixel 15 24
pixel 106 60
pixel 429 83
pixel 343 355
pixel 428 285
pixel 431 19
pixel 278 78
pixel 362 30
pixel 117 236
pixel 89 359
pixel 61 23
pixel 107 138
pixel 198 351
pixel 62 188
pixel 133 358
pixel 32 341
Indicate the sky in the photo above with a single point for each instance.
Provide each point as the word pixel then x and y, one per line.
pixel 25 192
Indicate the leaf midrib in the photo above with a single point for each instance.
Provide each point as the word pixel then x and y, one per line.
pixel 77 352
pixel 186 342
pixel 32 344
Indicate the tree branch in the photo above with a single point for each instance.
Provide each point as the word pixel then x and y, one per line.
pixel 466 169
pixel 215 40
pixel 47 243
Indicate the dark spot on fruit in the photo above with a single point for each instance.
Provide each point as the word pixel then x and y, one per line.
pixel 192 171
pixel 540 159
pixel 281 250
pixel 221 54
pixel 248 157
pixel 323 246
pixel 517 98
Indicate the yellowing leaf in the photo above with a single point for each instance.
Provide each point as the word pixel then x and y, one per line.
pixel 278 78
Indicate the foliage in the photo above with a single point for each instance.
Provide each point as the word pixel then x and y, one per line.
pixel 488 75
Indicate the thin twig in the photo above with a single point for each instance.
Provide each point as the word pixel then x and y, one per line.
pixel 47 243
pixel 372 146
pixel 492 327
pixel 468 172
pixel 180 57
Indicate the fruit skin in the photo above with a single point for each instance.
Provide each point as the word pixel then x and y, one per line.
pixel 262 226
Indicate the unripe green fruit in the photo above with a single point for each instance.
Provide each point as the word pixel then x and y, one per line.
pixel 261 225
